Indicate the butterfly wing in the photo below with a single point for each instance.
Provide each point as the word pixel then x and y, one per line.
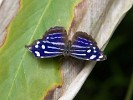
pixel 84 47
pixel 51 45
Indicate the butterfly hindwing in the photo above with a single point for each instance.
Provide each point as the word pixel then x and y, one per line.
pixel 51 45
pixel 84 47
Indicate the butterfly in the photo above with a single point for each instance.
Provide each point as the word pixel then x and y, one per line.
pixel 55 43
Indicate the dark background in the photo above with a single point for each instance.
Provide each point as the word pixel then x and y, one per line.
pixel 110 79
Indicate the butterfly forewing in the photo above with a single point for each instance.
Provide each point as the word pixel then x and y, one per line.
pixel 84 47
pixel 51 45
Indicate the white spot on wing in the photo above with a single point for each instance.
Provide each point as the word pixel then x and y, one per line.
pixel 97 59
pixel 36 46
pixel 29 48
pixel 47 37
pixel 43 46
pixel 37 53
pixel 89 50
pixel 95 51
pixel 38 42
pixel 93 56
pixel 94 48
pixel 101 56
pixel 90 43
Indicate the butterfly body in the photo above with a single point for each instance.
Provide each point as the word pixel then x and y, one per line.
pixel 55 43
pixel 66 51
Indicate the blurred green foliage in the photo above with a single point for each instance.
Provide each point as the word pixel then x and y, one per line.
pixel 110 79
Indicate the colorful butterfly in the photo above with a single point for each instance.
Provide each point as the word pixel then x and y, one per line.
pixel 55 43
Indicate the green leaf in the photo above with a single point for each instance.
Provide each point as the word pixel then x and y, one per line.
pixel 22 76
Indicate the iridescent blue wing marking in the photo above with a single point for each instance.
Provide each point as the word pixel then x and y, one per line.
pixel 84 47
pixel 51 45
